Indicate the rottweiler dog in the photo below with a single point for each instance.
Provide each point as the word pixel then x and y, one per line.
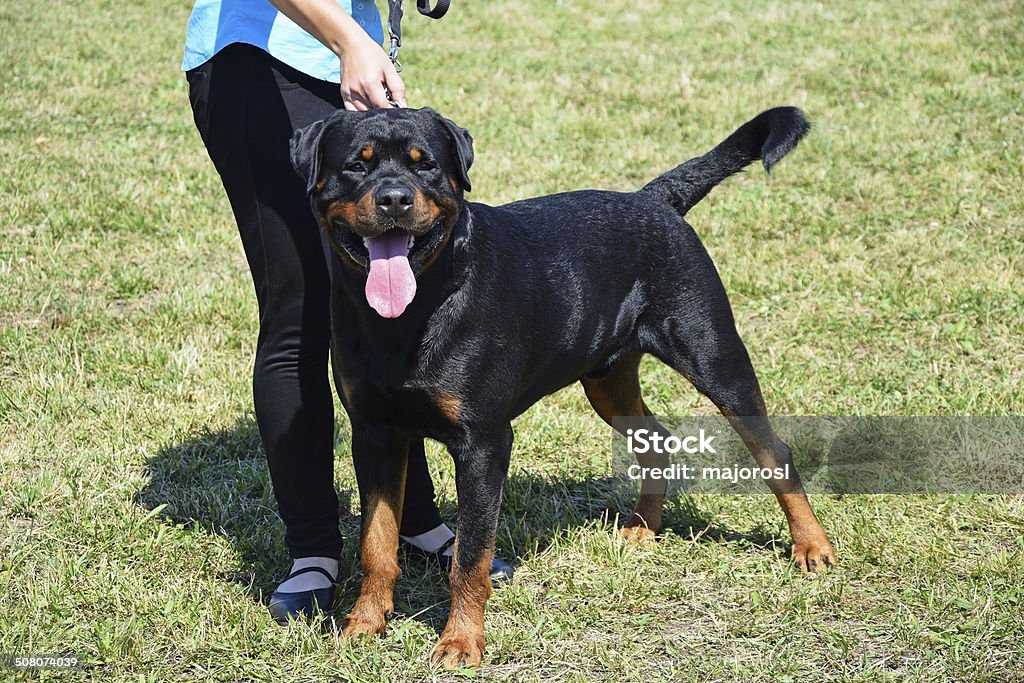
pixel 454 317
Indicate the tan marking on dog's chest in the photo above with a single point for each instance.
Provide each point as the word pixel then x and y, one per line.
pixel 449 405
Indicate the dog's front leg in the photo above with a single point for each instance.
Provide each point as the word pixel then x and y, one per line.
pixel 380 456
pixel 481 465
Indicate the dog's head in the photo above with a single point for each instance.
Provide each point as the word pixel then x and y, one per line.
pixel 387 187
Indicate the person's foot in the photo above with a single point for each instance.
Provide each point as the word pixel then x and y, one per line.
pixel 439 544
pixel 439 540
pixel 308 589
pixel 307 581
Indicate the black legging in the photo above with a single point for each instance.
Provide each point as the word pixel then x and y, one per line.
pixel 246 106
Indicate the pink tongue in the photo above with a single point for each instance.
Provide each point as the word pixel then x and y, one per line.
pixel 391 285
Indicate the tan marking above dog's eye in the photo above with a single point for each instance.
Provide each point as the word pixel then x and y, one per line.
pixel 366 154
pixel 415 154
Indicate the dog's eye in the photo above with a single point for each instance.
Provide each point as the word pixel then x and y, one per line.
pixel 426 167
pixel 356 167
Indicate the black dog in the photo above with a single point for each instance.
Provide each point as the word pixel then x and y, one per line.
pixel 456 317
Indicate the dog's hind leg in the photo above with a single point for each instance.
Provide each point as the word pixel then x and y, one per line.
pixel 713 357
pixel 617 394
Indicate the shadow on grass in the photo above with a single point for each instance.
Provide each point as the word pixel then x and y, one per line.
pixel 536 508
pixel 217 483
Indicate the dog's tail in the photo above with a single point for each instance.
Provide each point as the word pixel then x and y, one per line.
pixel 768 136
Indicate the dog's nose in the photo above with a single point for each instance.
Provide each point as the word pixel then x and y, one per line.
pixel 394 200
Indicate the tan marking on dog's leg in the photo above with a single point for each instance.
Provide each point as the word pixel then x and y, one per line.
pixel 462 641
pixel 378 556
pixel 812 550
pixel 617 394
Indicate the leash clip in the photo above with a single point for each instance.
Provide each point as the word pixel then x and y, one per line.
pixel 393 53
pixel 395 23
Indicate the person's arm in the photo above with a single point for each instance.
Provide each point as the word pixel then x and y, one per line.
pixel 365 69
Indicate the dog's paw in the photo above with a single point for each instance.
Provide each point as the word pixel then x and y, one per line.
pixel 637 528
pixel 816 555
pixel 460 649
pixel 635 535
pixel 357 627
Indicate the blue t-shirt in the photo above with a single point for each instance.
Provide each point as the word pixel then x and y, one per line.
pixel 215 24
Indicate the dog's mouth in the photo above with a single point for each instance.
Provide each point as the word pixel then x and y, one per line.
pixel 392 259
pixel 390 285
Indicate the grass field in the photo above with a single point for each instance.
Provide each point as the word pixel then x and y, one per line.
pixel 880 270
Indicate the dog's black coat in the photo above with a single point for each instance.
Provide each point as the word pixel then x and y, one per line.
pixel 517 301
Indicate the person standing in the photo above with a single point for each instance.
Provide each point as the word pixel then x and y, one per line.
pixel 257 71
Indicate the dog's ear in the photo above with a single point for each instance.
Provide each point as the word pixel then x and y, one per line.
pixel 462 144
pixel 305 149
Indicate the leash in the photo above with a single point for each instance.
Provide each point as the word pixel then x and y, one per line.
pixel 395 23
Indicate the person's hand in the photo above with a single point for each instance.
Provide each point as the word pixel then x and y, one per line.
pixel 365 73
pixel 365 70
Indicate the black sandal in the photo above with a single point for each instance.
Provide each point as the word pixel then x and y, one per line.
pixel 284 605
pixel 501 571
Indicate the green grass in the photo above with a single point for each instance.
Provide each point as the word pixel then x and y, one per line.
pixel 878 271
